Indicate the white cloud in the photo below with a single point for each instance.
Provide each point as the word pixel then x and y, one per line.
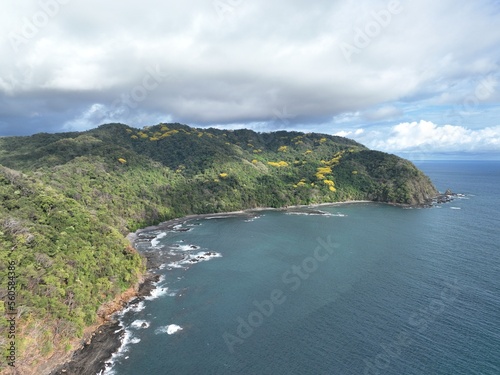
pixel 96 113
pixel 383 113
pixel 343 133
pixel 99 113
pixel 240 68
pixel 425 136
pixel 350 134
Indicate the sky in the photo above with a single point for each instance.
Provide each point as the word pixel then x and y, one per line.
pixel 419 78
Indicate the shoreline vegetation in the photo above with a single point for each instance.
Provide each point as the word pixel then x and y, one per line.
pixel 68 200
pixel 106 339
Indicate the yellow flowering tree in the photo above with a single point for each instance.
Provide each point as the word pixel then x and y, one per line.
pixel 278 164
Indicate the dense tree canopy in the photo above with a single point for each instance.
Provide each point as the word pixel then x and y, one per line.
pixel 68 199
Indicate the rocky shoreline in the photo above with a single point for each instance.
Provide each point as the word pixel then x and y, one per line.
pixel 92 357
pixel 248 213
pixel 447 197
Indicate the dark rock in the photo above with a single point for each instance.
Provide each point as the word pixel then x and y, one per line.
pixel 94 354
pixel 92 358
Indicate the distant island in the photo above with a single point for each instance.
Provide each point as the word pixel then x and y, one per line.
pixel 68 201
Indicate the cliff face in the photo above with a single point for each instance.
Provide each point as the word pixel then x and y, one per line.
pixel 67 200
pixel 421 189
pixel 389 178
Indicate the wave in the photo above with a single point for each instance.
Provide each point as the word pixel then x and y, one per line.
pixel 200 257
pixel 316 213
pixel 189 247
pixel 157 293
pixel 172 265
pixel 169 330
pixel 140 324
pixel 127 340
pixel 156 241
pixel 253 218
pixel 134 307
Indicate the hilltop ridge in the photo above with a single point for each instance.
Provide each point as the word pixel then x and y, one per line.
pixel 68 200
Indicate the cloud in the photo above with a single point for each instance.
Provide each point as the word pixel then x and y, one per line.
pixel 242 63
pixel 350 134
pixel 427 137
pixel 383 113
pixel 98 113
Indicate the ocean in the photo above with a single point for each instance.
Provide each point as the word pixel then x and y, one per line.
pixel 360 288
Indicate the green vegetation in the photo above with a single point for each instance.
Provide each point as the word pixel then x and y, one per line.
pixel 68 199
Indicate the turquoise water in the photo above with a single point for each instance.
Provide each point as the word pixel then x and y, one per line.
pixel 363 289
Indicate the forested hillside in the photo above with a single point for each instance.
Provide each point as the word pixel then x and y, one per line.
pixel 67 200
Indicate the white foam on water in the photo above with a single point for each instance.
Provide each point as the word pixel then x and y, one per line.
pixel 135 307
pixel 169 330
pixel 139 324
pixel 160 279
pixel 157 293
pixel 200 257
pixel 174 265
pixel 108 370
pixel 156 241
pixel 253 219
pixel 127 339
pixel 317 213
pixel 189 247
pixel 455 208
pixel 173 328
